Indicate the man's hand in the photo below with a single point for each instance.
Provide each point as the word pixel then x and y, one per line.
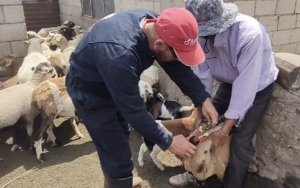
pixel 181 147
pixel 209 112
pixel 218 139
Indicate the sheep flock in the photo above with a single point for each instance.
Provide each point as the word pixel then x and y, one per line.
pixel 35 92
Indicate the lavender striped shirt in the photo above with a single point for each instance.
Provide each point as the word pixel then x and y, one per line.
pixel 241 56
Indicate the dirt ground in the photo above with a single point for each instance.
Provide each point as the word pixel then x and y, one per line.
pixel 76 163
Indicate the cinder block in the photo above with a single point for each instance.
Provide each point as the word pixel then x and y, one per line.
pixel 144 4
pixel 69 10
pixel 281 37
pixel 164 4
pixel 19 48
pixel 289 48
pixel 11 2
pixel 118 5
pixel 270 22
pixel 270 35
pixel 246 7
pixel 77 3
pixel 297 10
pixel 13 32
pixel 156 7
pixel 298 48
pixel 70 2
pixel 178 3
pixel 4 49
pixel 298 21
pixel 1 16
pixel 286 7
pixel 13 14
pixel 295 35
pixel 265 8
pixel 76 11
pixel 287 22
pixel 128 4
pixel 286 48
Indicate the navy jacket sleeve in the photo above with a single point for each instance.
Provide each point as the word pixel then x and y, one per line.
pixel 186 80
pixel 122 80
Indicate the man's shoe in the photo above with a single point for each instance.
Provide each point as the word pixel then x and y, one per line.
pixel 183 179
pixel 136 182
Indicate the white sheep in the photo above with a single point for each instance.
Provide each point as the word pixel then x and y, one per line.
pixel 33 58
pixel 150 75
pixel 44 32
pixel 52 100
pixel 15 103
pixel 57 60
pixel 60 41
pixel 67 53
pixel 146 90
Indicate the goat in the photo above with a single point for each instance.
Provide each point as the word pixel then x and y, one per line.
pixel 164 110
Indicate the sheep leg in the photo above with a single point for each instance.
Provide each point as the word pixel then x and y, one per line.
pixel 51 137
pixel 75 127
pixel 39 149
pixel 153 155
pixel 143 149
pixel 46 123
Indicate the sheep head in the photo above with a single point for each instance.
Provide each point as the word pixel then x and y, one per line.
pixel 56 59
pixel 44 71
pixel 58 40
pixel 7 60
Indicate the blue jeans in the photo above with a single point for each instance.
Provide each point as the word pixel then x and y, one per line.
pixel 241 148
pixel 107 128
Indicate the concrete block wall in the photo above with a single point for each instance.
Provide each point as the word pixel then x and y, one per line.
pixel 12 28
pixel 72 10
pixel 281 18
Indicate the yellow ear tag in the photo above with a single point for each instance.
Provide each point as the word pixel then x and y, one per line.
pixel 200 129
pixel 206 134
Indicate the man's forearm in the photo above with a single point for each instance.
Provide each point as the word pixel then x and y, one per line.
pixel 229 123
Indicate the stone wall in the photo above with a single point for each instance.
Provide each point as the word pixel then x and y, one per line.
pixel 278 138
pixel 12 29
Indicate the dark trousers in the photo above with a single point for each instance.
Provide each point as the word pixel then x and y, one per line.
pixel 241 148
pixel 108 130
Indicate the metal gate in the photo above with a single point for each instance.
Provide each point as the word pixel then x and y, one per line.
pixel 41 13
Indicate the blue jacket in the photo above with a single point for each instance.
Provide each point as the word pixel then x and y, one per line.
pixel 113 53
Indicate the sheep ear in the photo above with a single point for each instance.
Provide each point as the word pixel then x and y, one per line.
pixel 42 40
pixel 48 56
pixel 7 61
pixel 27 42
pixel 58 38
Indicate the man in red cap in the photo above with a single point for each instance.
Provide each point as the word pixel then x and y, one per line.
pixel 103 83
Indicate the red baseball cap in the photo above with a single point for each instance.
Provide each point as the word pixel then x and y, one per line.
pixel 178 28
